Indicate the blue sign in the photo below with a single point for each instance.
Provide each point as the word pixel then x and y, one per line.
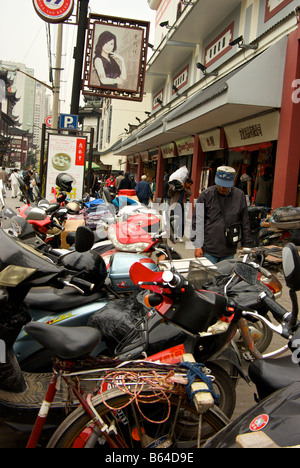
pixel 68 122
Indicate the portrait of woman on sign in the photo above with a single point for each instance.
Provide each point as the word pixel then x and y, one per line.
pixel 116 57
pixel 110 66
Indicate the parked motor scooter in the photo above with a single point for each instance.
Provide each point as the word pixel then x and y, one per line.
pixel 277 380
pixel 62 308
pixel 284 227
pixel 22 269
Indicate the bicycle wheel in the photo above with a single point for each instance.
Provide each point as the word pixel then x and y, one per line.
pixel 154 424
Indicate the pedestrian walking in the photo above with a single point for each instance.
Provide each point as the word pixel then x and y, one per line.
pixel 125 183
pixel 118 180
pixel 14 180
pixel 5 178
pixel 179 194
pixel 133 182
pixel 143 191
pixel 264 189
pixel 220 219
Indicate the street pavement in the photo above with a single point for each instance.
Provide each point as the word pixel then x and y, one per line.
pixel 10 438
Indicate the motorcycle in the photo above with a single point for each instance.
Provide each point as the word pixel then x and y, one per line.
pixel 22 269
pixel 277 381
pixel 284 225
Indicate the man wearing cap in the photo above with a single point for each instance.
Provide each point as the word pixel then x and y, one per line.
pixel 220 219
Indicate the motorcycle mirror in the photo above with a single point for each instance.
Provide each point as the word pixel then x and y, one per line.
pixel 246 272
pixel 84 239
pixel 291 266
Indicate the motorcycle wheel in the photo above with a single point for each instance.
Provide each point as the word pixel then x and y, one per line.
pixel 134 423
pixel 224 386
pixel 262 336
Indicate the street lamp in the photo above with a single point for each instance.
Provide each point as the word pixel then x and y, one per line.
pixel 16 69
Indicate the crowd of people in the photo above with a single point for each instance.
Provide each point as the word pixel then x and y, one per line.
pixel 11 177
pixel 220 218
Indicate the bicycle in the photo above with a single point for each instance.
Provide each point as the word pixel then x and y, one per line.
pixel 137 404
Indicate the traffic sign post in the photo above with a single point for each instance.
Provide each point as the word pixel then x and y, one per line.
pixel 49 121
pixel 68 122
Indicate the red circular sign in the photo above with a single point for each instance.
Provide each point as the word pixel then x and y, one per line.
pixel 49 121
pixel 54 11
pixel 259 423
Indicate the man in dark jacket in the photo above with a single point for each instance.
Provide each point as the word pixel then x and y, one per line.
pixel 143 191
pixel 125 183
pixel 219 207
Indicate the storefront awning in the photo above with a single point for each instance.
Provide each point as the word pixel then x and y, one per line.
pixel 252 89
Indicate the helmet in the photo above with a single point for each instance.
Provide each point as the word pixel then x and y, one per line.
pixel 64 181
pixel 73 207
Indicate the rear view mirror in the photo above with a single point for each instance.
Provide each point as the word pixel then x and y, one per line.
pixel 84 239
pixel 291 266
pixel 246 272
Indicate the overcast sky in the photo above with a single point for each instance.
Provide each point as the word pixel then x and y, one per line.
pixel 23 34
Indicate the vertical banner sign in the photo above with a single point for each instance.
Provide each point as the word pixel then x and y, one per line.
pixel 66 154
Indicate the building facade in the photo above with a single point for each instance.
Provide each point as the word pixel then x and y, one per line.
pixel 7 120
pixel 224 83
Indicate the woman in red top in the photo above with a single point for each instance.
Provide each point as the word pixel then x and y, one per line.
pixel 111 184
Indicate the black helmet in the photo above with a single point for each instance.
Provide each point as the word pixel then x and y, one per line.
pixel 64 181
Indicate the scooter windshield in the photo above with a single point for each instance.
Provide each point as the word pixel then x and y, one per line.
pixel 19 261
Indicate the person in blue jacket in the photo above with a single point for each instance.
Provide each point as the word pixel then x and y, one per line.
pixel 143 191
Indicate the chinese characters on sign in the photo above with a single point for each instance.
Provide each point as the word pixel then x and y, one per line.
pixel 66 154
pixel 251 131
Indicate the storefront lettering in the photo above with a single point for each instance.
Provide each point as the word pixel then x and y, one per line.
pixel 296 93
pixel 250 131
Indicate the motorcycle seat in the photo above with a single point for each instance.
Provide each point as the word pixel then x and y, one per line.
pixel 65 342
pixel 270 375
pixel 59 300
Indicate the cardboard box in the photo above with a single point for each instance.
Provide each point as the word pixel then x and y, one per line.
pixel 70 226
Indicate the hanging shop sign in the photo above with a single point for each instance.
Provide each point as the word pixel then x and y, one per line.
pixel 116 57
pixel 131 159
pixel 145 156
pixel 211 141
pixel 169 151
pixel 251 132
pixel 66 154
pixel 185 146
pixel 54 11
pixel 153 154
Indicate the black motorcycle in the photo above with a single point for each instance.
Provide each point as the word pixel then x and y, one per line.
pixel 276 417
